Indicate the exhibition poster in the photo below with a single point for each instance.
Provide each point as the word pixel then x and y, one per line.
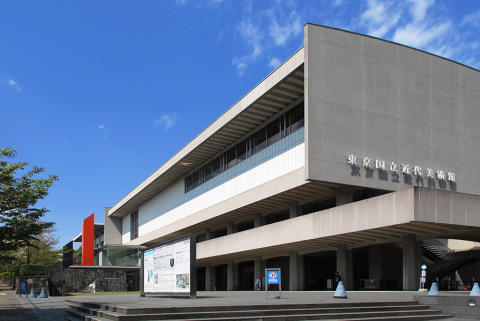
pixel 166 268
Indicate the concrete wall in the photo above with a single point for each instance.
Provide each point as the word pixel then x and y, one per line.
pixel 174 204
pixel 375 98
pixel 113 229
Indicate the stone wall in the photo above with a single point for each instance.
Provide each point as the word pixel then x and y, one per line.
pixel 77 279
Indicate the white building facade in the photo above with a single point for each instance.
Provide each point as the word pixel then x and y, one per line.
pixel 356 155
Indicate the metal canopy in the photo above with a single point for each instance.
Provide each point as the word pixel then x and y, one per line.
pixel 281 95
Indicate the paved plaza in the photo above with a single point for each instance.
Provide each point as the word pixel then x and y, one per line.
pixel 13 308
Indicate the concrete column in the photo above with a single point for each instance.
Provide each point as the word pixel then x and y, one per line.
pixel 411 263
pixel 294 210
pixel 208 234
pixel 258 220
pixel 257 274
pixel 345 266
pixel 208 277
pixel 295 272
pixel 344 197
pixel 375 262
pixel 231 228
pixel 230 276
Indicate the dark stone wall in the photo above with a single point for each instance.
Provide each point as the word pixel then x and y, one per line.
pixel 78 279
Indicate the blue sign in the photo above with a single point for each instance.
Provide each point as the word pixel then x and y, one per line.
pixel 273 276
pixel 23 287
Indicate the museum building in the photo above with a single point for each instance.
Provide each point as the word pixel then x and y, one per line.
pixel 356 155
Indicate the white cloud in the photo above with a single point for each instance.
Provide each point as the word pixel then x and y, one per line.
pixel 11 83
pixel 420 34
pixel 252 35
pixel 419 8
pixel 472 19
pixel 380 17
pixel 274 62
pixel 264 29
pixel 103 130
pixel 281 33
pixel 167 121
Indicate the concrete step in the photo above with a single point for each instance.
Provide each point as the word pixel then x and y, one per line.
pixel 246 313
pixel 427 317
pixel 130 310
pixel 279 316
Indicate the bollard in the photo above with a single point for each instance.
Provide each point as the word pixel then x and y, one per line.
pixel 434 290
pixel 43 293
pixel 475 290
pixel 32 294
pixel 340 291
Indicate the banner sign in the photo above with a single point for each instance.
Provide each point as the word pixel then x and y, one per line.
pixel 168 268
pixel 273 277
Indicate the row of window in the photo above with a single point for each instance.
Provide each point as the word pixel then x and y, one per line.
pixel 268 135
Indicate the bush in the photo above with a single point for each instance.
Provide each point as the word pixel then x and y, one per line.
pixel 32 269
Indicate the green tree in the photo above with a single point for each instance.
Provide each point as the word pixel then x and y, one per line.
pixel 41 251
pixel 20 190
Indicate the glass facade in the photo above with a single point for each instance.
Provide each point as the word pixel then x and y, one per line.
pixel 120 256
pixel 282 126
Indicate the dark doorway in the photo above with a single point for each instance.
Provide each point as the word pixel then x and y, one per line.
pixel 132 280
pixel 246 272
pixel 360 267
pixel 221 272
pixel 282 263
pixel 201 278
pixel 319 268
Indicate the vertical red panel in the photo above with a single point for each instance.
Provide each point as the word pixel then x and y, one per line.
pixel 88 239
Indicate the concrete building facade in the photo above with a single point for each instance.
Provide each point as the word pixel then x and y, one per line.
pixel 347 157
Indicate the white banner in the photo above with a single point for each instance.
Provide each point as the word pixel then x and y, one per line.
pixel 167 268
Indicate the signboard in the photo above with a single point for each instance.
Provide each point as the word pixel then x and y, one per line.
pixel 273 277
pixel 23 287
pixel 170 268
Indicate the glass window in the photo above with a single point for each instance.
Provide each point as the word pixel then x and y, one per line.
pixel 134 225
pixel 217 166
pixel 230 158
pixel 273 132
pixel 241 151
pixel 296 118
pixel 195 179
pixel 260 141
pixel 208 171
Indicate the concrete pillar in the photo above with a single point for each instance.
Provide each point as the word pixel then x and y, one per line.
pixel 208 234
pixel 344 197
pixel 375 262
pixel 208 277
pixel 258 220
pixel 257 274
pixel 231 228
pixel 411 262
pixel 345 266
pixel 295 272
pixel 294 210
pixel 230 276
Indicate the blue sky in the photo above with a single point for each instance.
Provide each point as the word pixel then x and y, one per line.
pixel 102 93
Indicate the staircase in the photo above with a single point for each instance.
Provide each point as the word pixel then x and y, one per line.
pixel 270 312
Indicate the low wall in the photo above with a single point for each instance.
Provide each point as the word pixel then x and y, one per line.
pixel 456 305
pixel 78 278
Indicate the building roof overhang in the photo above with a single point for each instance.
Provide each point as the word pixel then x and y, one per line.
pixel 283 88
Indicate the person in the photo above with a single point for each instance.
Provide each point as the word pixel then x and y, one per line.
pixel 338 278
